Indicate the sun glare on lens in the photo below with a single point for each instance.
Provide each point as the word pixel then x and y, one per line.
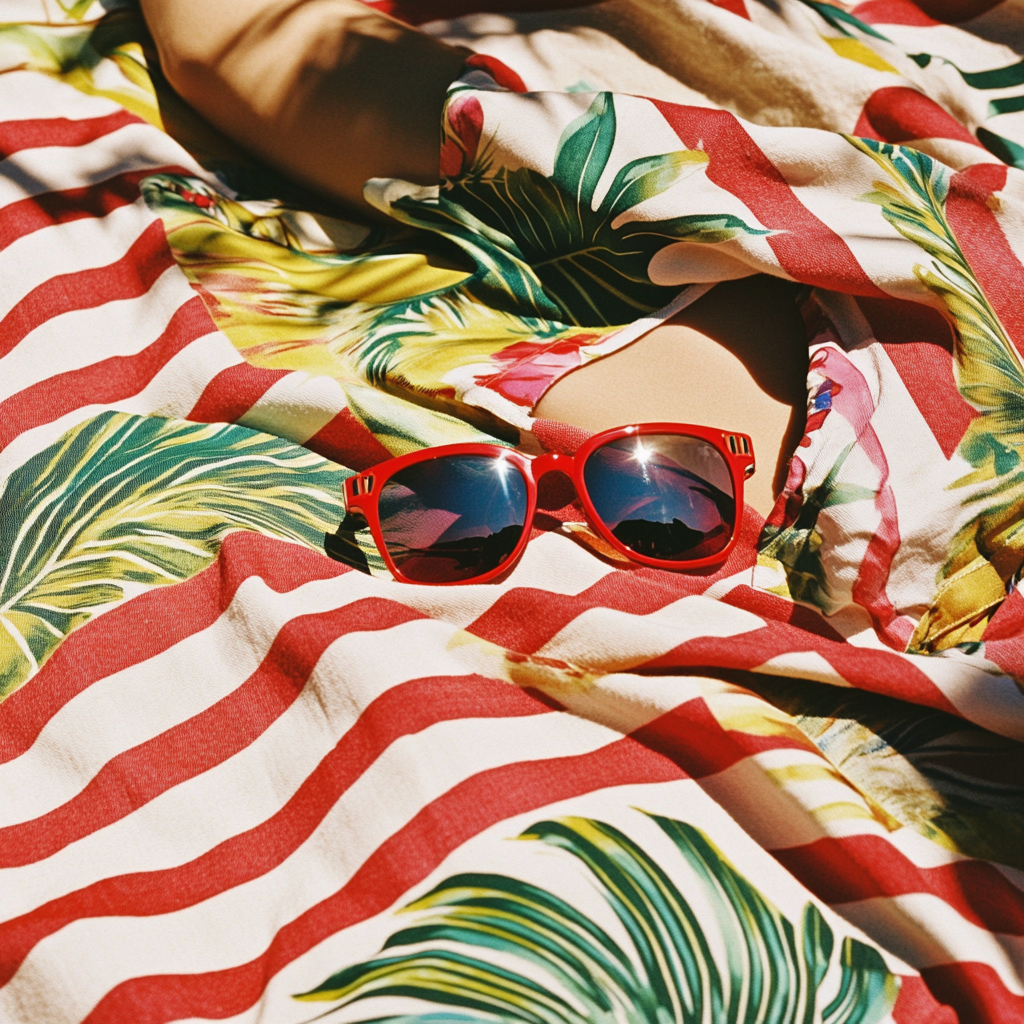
pixel 643 456
pixel 502 467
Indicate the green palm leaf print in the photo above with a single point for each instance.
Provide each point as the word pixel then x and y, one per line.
pixel 988 550
pixel 544 249
pixel 798 547
pixel 125 502
pixel 756 969
pixel 76 9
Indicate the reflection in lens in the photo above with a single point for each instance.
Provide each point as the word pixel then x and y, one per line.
pixel 453 518
pixel 666 496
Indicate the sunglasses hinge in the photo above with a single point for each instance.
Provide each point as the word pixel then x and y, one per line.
pixel 360 484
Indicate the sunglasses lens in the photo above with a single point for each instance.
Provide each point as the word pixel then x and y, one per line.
pixel 453 518
pixel 666 496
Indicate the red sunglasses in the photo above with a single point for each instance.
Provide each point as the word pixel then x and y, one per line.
pixel 663 494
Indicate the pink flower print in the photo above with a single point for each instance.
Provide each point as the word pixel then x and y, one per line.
pixel 789 503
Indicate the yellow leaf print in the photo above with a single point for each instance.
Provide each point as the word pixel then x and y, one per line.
pixel 861 53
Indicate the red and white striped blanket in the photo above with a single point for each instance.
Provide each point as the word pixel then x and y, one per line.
pixel 242 781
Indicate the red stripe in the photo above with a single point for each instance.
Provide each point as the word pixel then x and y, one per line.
pixel 525 619
pixel 975 992
pixel 403 710
pixel 103 383
pixel 1004 636
pixel 738 7
pixel 233 392
pixel 873 670
pixel 899 114
pixel 892 12
pixel 155 621
pixel 807 248
pixel 59 131
pixel 43 211
pixel 770 606
pixel 865 867
pixel 953 12
pixel 997 267
pixel 136 776
pixel 402 861
pixel 1008 621
pixel 691 737
pixel 126 278
pixel 502 74
pixel 919 341
pixel 916 1005
pixel 346 441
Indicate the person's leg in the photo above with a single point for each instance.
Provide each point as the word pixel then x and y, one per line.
pixel 737 359
pixel 330 92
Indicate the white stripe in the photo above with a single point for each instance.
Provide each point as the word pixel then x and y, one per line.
pixel 29 95
pixel 296 406
pixel 625 807
pixel 626 703
pixel 802 665
pixel 82 337
pixel 829 190
pixel 414 771
pixel 1010 212
pixel 32 172
pixel 611 640
pixel 172 392
pixel 820 795
pixel 552 563
pixel 620 701
pixel 201 812
pixel 69 248
pixel 926 932
pixel 994 702
pixel 131 707
pixel 770 812
pixel 759 805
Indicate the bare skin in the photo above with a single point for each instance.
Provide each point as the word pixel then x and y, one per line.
pixel 328 91
pixel 332 93
pixel 737 359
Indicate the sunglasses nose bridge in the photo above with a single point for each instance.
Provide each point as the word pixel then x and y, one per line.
pixel 551 462
pixel 552 474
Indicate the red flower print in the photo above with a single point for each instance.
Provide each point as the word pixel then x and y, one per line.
pixel 465 123
pixel 532 367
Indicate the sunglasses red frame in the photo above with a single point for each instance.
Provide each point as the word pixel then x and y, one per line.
pixel 361 491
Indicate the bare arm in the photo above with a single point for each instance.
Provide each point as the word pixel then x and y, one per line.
pixel 328 91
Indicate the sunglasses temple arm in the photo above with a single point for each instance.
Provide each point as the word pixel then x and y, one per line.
pixel 342 545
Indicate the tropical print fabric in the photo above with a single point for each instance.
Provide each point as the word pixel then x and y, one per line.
pixel 240 780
